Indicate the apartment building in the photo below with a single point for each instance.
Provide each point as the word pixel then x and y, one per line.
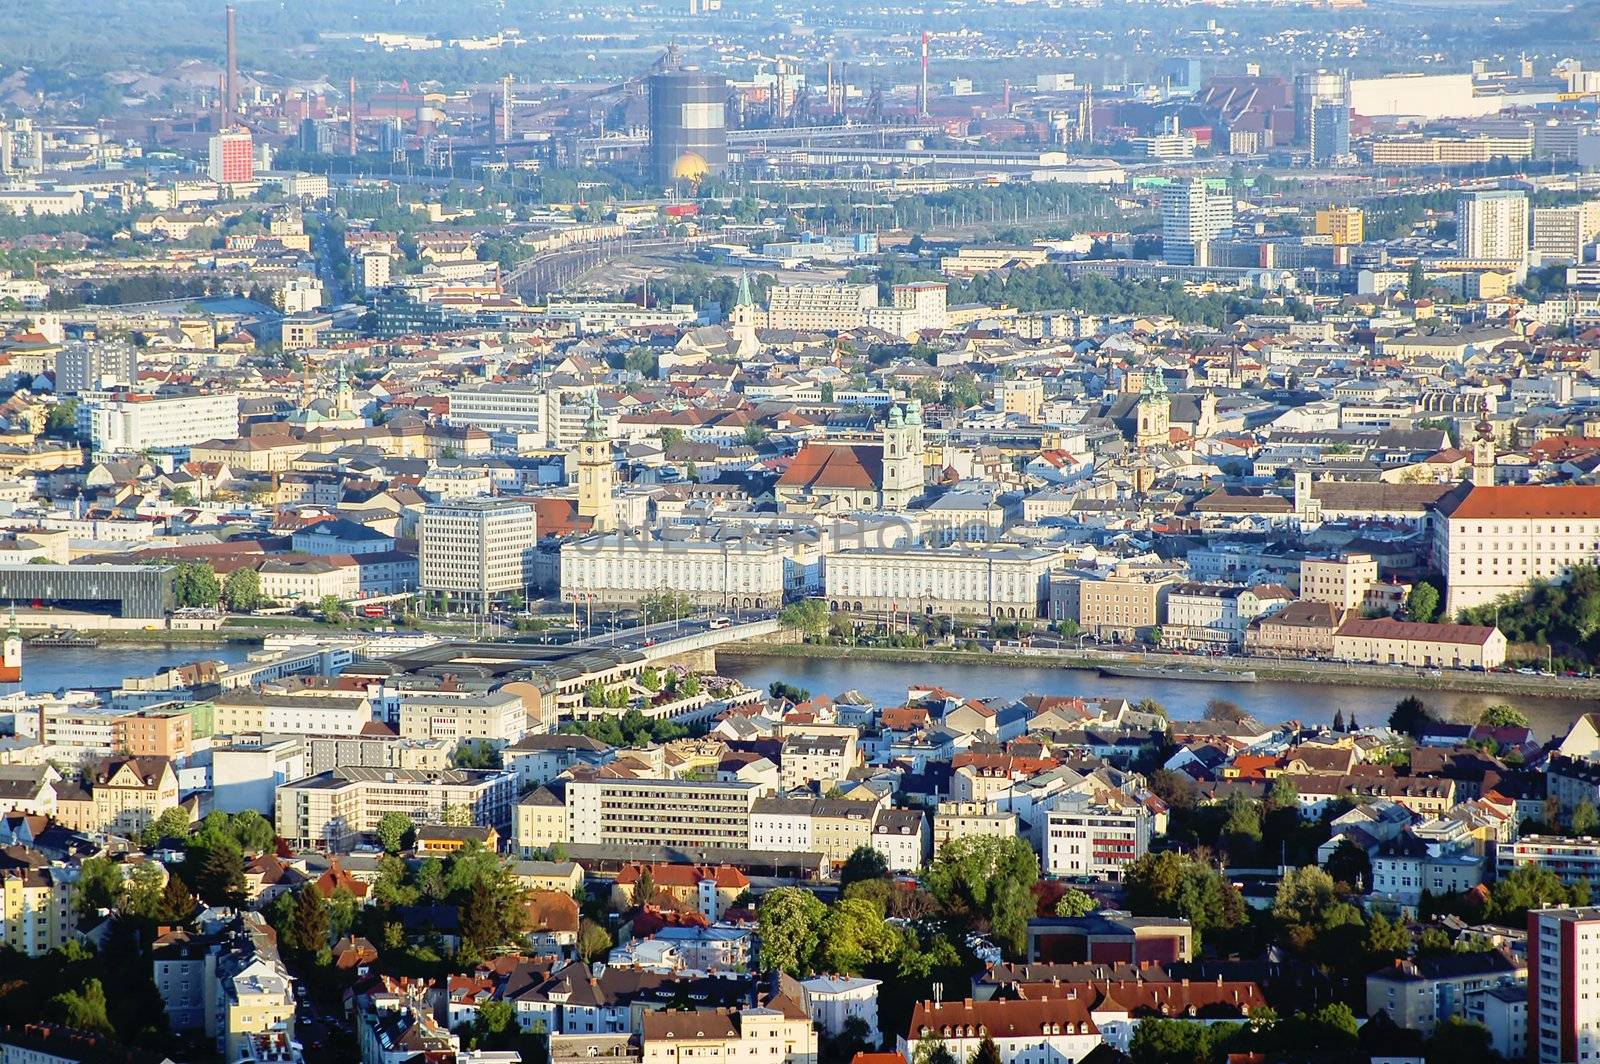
pixel 302 711
pixel 833 827
pixel 1083 839
pixel 1343 225
pixel 1571 858
pixel 1563 985
pixel 1050 1028
pixel 475 551
pixel 820 307
pixel 913 308
pixel 497 718
pixel 120 796
pixel 660 812
pixel 1119 604
pixel 1493 224
pixel 1215 616
pixel 820 760
pixel 1494 541
pixel 1342 581
pixel 337 808
pixel 779 1033
pixel 959 820
pixel 1420 992
pixel 904 838
pixel 37 913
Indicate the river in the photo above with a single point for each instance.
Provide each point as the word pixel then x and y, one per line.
pixel 107 665
pixel 884 682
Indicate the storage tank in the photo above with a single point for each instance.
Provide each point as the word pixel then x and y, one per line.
pixel 688 127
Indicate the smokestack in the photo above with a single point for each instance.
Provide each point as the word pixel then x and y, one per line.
pixel 1008 96
pixel 231 92
pixel 352 116
pixel 505 110
pixel 923 105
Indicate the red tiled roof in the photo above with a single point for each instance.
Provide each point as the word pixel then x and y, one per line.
pixel 835 466
pixel 1527 500
pixel 1388 628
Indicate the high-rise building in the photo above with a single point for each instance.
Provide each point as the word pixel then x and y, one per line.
pixel 476 550
pixel 1564 984
pixel 1493 225
pixel 232 159
pixel 1312 89
pixel 119 422
pixel 86 367
pixel 688 126
pixel 1330 131
pixel 1192 215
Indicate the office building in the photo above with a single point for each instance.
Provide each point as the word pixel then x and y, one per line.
pixel 336 808
pixel 1344 225
pixel 475 551
pixel 688 126
pixel 660 812
pixel 1563 985
pixel 1562 235
pixel 1493 225
pixel 1341 581
pixel 1192 215
pixel 1314 89
pixel 628 567
pixel 121 422
pixel 963 581
pixel 913 308
pixel 232 157
pixel 93 367
pixel 1082 839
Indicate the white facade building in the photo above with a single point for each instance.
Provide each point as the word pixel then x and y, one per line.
pixel 1093 841
pixel 1192 215
pixel 476 550
pixel 125 423
pixel 973 580
pixel 1493 225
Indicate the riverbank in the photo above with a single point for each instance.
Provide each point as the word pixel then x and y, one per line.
pixel 1267 669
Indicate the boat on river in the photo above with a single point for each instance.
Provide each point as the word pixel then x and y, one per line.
pixel 1178 672
pixel 63 639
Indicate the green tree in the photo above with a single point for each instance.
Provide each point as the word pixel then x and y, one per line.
pixel 480 920
pixel 789 920
pixel 1416 281
pixel 1455 1040
pixel 141 893
pixel 1422 603
pixel 1584 817
pixel 331 609
pixel 854 936
pixel 182 496
pixel 1350 865
pixel 395 831
pixel 195 584
pixel 99 885
pixel 1304 895
pixel 1075 903
pixel 242 589
pixel 494 1021
pixel 808 616
pixel 62 420
pixel 992 878
pixel 1386 940
pixel 987 1052
pixel 932 1050
pixel 173 823
pixel 311 921
pixel 85 1009
pixel 1503 716
pixel 253 832
pixel 863 863
pixel 1410 716
pixel 665 606
pixel 593 940
pixel 1176 884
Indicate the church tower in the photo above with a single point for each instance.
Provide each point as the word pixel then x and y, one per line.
pixel 902 456
pixel 343 394
pixel 742 321
pixel 1154 413
pixel 1483 454
pixel 596 474
pixel 11 652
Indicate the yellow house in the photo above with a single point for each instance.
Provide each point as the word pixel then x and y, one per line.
pixel 38 903
pixel 122 796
